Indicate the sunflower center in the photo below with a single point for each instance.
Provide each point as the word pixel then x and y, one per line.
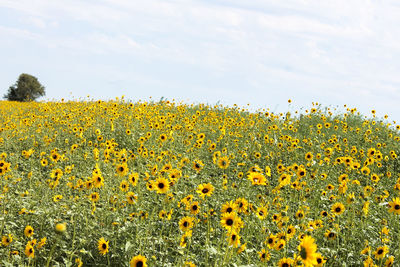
pixel 229 210
pixel 331 235
pixel 380 251
pixel 161 185
pixel 338 209
pixel 397 207
pixel 185 224
pixel 233 237
pixel 104 246
pixel 285 265
pixel 194 207
pixel 139 264
pixel 204 191
pixel 229 222
pixel 270 241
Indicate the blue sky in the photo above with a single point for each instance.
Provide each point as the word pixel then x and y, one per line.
pixel 237 52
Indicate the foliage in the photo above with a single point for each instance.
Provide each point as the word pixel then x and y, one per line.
pixel 118 183
pixel 27 88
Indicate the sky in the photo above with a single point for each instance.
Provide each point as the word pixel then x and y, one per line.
pixel 256 52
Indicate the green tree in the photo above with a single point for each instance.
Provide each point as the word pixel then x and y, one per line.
pixel 27 88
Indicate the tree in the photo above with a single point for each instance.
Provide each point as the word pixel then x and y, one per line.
pixel 27 88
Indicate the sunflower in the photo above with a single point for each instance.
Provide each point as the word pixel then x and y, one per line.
pixel 102 246
pixel 285 262
pixel 6 240
pixel 124 186
pixel 194 208
pixel 262 212
pixel 271 241
pixel 94 197
pixel 264 255
pixel 186 223
pixel 230 221
pixel 309 156
pixel 233 239
pixel 300 214
pixel 133 178
pixel 28 231
pixel 98 181
pixel 223 162
pixel 284 179
pixel 337 208
pixel 280 244
pixel 205 190
pixel 44 162
pixel 389 262
pixel 301 172
pixel 122 169
pixel 29 251
pixel 257 178
pixel 395 206
pixel 242 205
pixel 131 197
pixel 198 165
pixel 308 251
pixel 161 185
pixel 330 235
pixel 290 231
pixel 229 207
pixel 138 261
pixel 380 252
pixel 320 260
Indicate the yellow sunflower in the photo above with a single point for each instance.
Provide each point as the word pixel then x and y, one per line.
pixel 28 231
pixel 223 162
pixel 395 206
pixel 308 251
pixel 138 261
pixel 186 223
pixel 380 252
pixel 102 246
pixel 29 251
pixel 205 190
pixel 337 208
pixel 161 185
pixel 257 178
pixel 6 240
pixel 285 262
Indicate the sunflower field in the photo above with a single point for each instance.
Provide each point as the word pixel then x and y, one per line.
pixel 120 183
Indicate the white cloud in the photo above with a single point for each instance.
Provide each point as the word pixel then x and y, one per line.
pixel 337 48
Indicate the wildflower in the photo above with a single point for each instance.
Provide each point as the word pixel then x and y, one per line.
pixel 257 178
pixel 337 208
pixel 308 251
pixel 186 223
pixel 6 240
pixel 223 162
pixel 380 252
pixel 29 251
pixel 395 206
pixel 28 231
pixel 205 190
pixel 161 186
pixel 264 255
pixel 138 261
pixel 102 246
